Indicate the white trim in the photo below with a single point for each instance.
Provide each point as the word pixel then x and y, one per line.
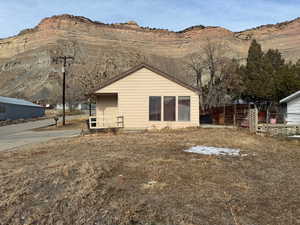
pixel 291 97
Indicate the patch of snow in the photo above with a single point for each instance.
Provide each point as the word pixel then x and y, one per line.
pixel 294 136
pixel 205 150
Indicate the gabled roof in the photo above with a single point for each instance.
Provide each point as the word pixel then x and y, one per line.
pixel 15 101
pixel 151 68
pixel 291 97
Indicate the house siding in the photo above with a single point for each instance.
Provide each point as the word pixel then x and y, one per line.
pixel 293 112
pixel 133 99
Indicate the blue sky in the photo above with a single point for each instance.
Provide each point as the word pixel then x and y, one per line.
pixel 236 15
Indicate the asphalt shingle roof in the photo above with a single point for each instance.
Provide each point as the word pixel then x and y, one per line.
pixel 16 101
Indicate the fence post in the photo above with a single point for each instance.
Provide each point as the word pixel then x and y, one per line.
pixel 234 114
pixel 253 120
pixel 224 111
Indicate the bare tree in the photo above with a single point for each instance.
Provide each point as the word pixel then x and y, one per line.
pixel 89 79
pixel 219 71
pixel 197 65
pixel 73 92
pixel 87 73
pixel 105 68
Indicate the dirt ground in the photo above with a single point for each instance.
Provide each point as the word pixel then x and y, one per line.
pixel 146 178
pixel 73 124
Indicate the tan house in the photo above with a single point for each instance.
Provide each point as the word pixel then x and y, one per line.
pixel 145 98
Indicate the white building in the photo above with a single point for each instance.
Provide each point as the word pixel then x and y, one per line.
pixel 78 106
pixel 293 108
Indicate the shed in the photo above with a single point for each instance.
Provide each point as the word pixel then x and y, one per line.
pixel 144 98
pixel 292 108
pixel 13 109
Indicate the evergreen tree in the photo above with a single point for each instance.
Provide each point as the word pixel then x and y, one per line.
pixel 288 80
pixel 266 76
pixel 253 74
pixel 273 64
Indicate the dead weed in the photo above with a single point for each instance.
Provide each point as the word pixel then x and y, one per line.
pixel 146 178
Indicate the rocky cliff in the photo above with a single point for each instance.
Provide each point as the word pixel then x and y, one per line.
pixel 27 60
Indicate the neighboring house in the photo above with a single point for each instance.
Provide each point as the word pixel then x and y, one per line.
pixel 13 109
pixel 145 98
pixel 292 108
pixel 77 106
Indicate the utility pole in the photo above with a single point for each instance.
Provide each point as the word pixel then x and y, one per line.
pixel 64 60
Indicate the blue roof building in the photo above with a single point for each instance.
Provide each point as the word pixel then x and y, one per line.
pixel 13 109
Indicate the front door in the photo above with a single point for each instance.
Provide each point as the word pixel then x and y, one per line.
pixel 107 110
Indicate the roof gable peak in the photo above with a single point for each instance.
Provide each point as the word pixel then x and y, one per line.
pixel 151 68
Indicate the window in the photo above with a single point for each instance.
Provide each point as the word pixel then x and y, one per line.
pixel 155 108
pixel 169 108
pixel 2 108
pixel 184 105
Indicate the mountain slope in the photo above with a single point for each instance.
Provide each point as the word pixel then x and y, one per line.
pixel 27 60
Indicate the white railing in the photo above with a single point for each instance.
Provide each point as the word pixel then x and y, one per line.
pixel 108 121
pixel 278 129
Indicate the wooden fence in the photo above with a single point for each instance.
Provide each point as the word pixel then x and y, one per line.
pixel 236 114
pixel 253 120
pixel 248 116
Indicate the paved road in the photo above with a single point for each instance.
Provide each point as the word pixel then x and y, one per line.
pixel 16 135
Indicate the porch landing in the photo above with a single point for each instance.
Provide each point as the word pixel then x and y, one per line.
pixel 106 122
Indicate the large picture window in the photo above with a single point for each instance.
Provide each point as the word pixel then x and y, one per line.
pixel 155 108
pixel 169 108
pixel 184 111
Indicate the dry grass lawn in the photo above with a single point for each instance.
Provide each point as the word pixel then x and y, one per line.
pixel 146 178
